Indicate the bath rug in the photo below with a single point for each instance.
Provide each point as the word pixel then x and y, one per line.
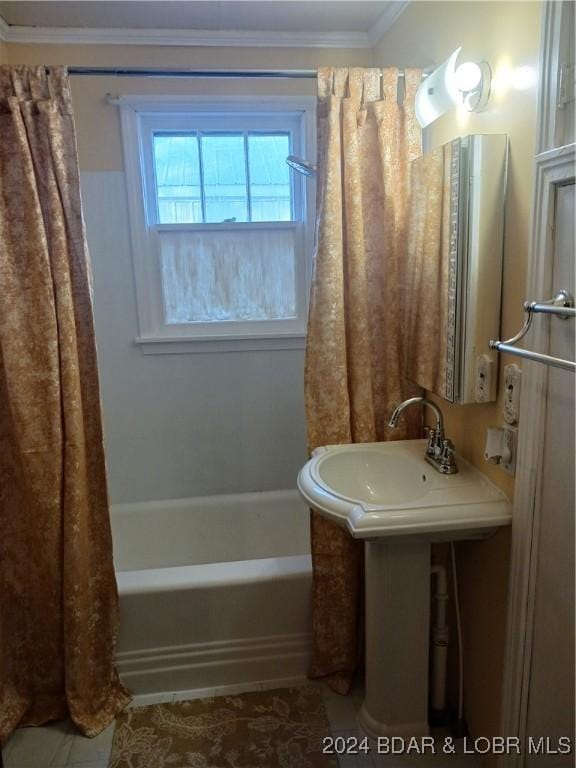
pixel 283 728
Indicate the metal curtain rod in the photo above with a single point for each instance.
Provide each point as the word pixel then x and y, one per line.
pixel 298 74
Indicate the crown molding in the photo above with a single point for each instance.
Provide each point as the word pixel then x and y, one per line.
pixel 201 37
pixel 386 19
pixel 182 37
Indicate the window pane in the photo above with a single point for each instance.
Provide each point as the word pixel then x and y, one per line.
pixel 224 169
pixel 269 177
pixel 177 167
pixel 224 275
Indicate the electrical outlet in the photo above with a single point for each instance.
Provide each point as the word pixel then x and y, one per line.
pixel 510 442
pixel 484 379
pixel 512 384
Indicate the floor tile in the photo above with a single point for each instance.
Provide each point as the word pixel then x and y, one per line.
pixel 40 747
pixel 341 710
pixel 438 760
pixel 85 751
pixel 360 760
pixel 7 748
pixel 357 694
pixel 354 744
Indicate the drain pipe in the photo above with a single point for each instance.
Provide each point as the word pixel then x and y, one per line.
pixel 439 652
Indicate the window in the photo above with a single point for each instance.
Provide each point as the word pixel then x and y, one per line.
pixel 220 177
pixel 220 224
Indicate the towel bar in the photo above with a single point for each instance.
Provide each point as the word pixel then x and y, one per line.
pixel 561 306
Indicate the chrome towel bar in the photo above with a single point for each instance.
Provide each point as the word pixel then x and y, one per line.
pixel 561 306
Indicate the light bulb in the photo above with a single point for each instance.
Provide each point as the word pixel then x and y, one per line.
pixel 468 76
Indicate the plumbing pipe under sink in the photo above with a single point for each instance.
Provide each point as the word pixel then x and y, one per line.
pixel 439 650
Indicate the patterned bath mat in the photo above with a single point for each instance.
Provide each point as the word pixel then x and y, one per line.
pixel 283 728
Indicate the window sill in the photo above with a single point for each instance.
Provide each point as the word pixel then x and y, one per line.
pixel 178 345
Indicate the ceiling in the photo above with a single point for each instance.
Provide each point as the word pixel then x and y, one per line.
pixel 284 16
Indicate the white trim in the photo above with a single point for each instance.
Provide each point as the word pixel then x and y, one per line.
pixel 549 74
pixel 4 31
pixel 136 215
pixel 151 345
pixel 553 168
pixel 147 699
pixel 386 20
pixel 221 663
pixel 226 226
pixel 183 37
pixel 553 48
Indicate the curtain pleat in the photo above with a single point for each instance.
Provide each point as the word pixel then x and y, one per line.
pixel 58 597
pixel 355 352
pixel 429 223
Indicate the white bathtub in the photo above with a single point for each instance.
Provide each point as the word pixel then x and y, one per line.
pixel 214 591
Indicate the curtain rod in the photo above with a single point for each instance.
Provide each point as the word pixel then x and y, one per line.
pixel 303 74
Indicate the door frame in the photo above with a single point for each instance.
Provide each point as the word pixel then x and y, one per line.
pixel 554 167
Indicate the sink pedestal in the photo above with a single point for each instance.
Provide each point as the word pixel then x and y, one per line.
pixel 397 637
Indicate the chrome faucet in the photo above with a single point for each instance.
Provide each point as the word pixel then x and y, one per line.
pixel 440 450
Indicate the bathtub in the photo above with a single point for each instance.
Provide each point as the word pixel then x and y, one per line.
pixel 214 591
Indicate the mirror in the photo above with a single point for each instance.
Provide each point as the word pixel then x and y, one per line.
pixel 455 245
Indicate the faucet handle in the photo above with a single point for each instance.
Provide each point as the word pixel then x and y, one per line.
pixel 447 462
pixel 430 434
pixel 435 443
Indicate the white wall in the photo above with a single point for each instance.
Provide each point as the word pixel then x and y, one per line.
pixel 190 424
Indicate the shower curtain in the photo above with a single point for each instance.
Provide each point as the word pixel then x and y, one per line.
pixel 354 355
pixel 58 600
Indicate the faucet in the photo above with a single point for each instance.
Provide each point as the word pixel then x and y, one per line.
pixel 440 450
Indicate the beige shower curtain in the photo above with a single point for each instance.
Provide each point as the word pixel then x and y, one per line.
pixel 430 238
pixel 58 601
pixel 354 357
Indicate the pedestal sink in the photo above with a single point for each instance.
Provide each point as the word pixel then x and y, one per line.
pixel 388 495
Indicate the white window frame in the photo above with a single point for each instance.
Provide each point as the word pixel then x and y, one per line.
pixel 140 117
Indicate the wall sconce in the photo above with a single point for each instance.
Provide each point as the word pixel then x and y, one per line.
pixel 448 85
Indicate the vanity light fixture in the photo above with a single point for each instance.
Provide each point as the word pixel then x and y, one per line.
pixel 448 85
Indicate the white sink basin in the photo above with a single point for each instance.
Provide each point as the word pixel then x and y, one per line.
pixel 377 477
pixel 388 489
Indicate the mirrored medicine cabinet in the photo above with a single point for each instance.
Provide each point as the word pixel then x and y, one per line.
pixel 454 284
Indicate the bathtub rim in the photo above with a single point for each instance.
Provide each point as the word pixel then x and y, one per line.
pixel 181 577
